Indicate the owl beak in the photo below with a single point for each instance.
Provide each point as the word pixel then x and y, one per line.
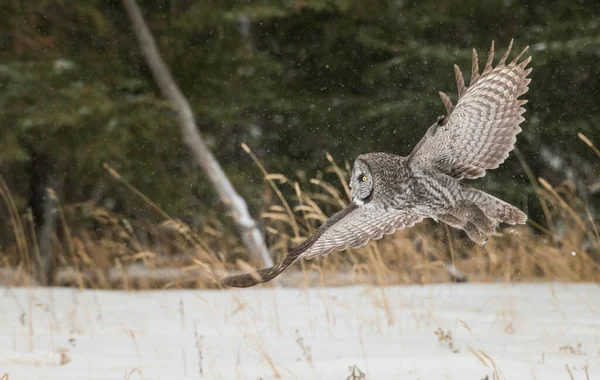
pixel 352 195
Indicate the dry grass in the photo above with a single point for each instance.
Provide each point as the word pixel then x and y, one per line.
pixel 445 338
pixel 356 373
pixel 97 248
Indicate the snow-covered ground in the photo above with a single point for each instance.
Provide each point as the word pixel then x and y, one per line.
pixel 462 331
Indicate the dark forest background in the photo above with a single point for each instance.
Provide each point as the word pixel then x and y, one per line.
pixel 292 79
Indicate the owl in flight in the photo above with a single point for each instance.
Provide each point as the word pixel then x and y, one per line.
pixel 392 192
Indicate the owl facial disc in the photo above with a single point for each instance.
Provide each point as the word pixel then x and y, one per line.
pixel 361 183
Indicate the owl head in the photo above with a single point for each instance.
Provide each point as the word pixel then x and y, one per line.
pixel 361 182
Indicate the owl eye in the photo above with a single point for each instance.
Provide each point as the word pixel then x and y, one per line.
pixel 364 178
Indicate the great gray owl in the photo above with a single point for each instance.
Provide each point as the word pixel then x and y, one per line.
pixel 391 192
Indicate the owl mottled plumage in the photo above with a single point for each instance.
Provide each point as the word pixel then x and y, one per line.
pixel 391 192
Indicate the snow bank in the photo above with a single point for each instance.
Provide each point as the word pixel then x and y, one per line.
pixel 463 331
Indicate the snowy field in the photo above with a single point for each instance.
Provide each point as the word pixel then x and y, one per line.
pixel 462 331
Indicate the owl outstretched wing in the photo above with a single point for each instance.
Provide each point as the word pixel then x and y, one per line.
pixel 477 134
pixel 352 227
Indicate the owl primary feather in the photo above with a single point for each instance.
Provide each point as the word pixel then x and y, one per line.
pixel 391 192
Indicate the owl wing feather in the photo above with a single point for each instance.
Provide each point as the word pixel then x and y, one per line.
pixel 352 227
pixel 359 227
pixel 480 131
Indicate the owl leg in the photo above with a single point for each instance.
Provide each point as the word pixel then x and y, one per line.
pixel 477 217
pixel 451 220
pixel 474 234
pixel 471 219
pixel 470 228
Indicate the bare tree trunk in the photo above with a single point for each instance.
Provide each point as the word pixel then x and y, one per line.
pixel 42 203
pixel 46 232
pixel 250 234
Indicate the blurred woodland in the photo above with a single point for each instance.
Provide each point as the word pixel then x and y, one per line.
pixel 294 80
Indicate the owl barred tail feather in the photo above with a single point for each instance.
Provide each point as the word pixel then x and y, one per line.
pixel 480 216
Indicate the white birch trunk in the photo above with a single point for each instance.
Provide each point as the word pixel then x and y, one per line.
pixel 249 232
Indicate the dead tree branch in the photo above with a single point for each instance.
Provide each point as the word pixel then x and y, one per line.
pixel 250 234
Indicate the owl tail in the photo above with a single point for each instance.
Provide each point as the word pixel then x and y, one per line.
pixel 478 214
pixel 496 209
